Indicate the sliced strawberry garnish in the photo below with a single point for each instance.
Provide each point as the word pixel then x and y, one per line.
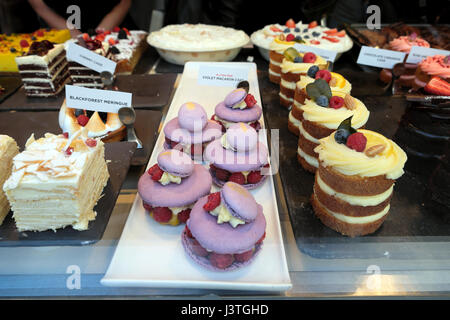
pixel 275 29
pixel 331 39
pixel 331 31
pixel 155 172
pixel 116 29
pixel 244 256
pixel 162 214
pixel 341 34
pixel 112 41
pixel 315 42
pixel 312 24
pixel 213 201
pixel 438 87
pixel 66 135
pixel 221 174
pixel 254 177
pixel 183 216
pixel 68 151
pixel 85 36
pixel 237 177
pixel 290 23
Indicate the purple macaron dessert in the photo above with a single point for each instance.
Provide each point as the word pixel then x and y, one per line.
pixel 238 157
pixel 225 230
pixel 238 106
pixel 170 188
pixel 191 131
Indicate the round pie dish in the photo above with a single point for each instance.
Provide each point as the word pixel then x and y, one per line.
pixel 180 43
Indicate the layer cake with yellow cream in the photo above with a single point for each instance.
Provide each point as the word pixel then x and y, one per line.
pixel 294 66
pixel 337 84
pixel 8 150
pixel 276 50
pixel 355 180
pixel 56 182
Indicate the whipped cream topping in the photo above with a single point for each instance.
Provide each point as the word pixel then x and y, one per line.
pixel 167 178
pixel 197 37
pixel 126 46
pixel 46 159
pixel 224 215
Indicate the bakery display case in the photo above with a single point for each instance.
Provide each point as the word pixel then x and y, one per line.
pixel 348 196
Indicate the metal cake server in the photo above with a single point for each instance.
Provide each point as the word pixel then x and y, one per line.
pixel 128 116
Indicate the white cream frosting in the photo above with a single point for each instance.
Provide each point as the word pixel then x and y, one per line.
pixel 167 178
pixel 224 215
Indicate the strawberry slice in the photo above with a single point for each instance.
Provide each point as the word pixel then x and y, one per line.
pixel 275 29
pixel 212 202
pixel 331 31
pixel 290 23
pixel 341 34
pixel 315 42
pixel 331 39
pixel 438 87
pixel 312 24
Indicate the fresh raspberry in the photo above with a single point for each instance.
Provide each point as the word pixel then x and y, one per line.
pixel 91 142
pixel 183 216
pixel 116 29
pixel 255 125
pixel 244 256
pixel 111 41
pixel 323 74
pixel 254 177
pixel 82 120
pixel 309 57
pixel 68 151
pixel 221 174
pixel 213 201
pixel 155 172
pixel 237 177
pixel 275 29
pixel 336 102
pixel 188 232
pixel 312 24
pixel 66 135
pixel 162 214
pixel 290 37
pixel 261 239
pixel 198 249
pixel 221 261
pixel 147 206
pixel 250 100
pixel 40 33
pixel 290 23
pixel 24 43
pixel 357 141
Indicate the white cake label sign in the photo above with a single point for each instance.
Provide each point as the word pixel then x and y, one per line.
pixel 326 54
pixel 380 58
pixel 96 100
pixel 89 59
pixel 221 76
pixel 417 54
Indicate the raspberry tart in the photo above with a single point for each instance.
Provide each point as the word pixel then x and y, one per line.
pixel 225 230
pixel 355 179
pixel 238 157
pixel 238 106
pixel 170 187
pixel 191 131
pixel 321 113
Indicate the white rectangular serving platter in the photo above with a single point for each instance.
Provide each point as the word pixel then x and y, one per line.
pixel 151 255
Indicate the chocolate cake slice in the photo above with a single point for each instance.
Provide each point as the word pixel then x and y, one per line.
pixel 43 69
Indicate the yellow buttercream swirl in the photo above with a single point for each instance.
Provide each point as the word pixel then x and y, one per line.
pixel 279 45
pixel 167 178
pixel 302 67
pixel 345 88
pixel 224 215
pixel 347 161
pixel 331 118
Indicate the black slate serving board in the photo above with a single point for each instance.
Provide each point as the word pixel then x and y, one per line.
pixel 10 85
pixel 149 91
pixel 420 207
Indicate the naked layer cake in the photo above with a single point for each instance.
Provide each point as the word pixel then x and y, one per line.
pixel 320 115
pixel 56 182
pixel 294 66
pixel 354 183
pixel 337 84
pixel 43 69
pixel 8 150
pixel 83 76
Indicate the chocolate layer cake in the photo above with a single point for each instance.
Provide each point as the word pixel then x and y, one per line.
pixel 83 76
pixel 354 183
pixel 43 69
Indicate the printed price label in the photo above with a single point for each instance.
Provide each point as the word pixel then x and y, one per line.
pixel 96 100
pixel 380 58
pixel 89 59
pixel 417 54
pixel 326 54
pixel 221 76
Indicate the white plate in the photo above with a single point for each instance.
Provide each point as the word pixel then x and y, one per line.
pixel 151 255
